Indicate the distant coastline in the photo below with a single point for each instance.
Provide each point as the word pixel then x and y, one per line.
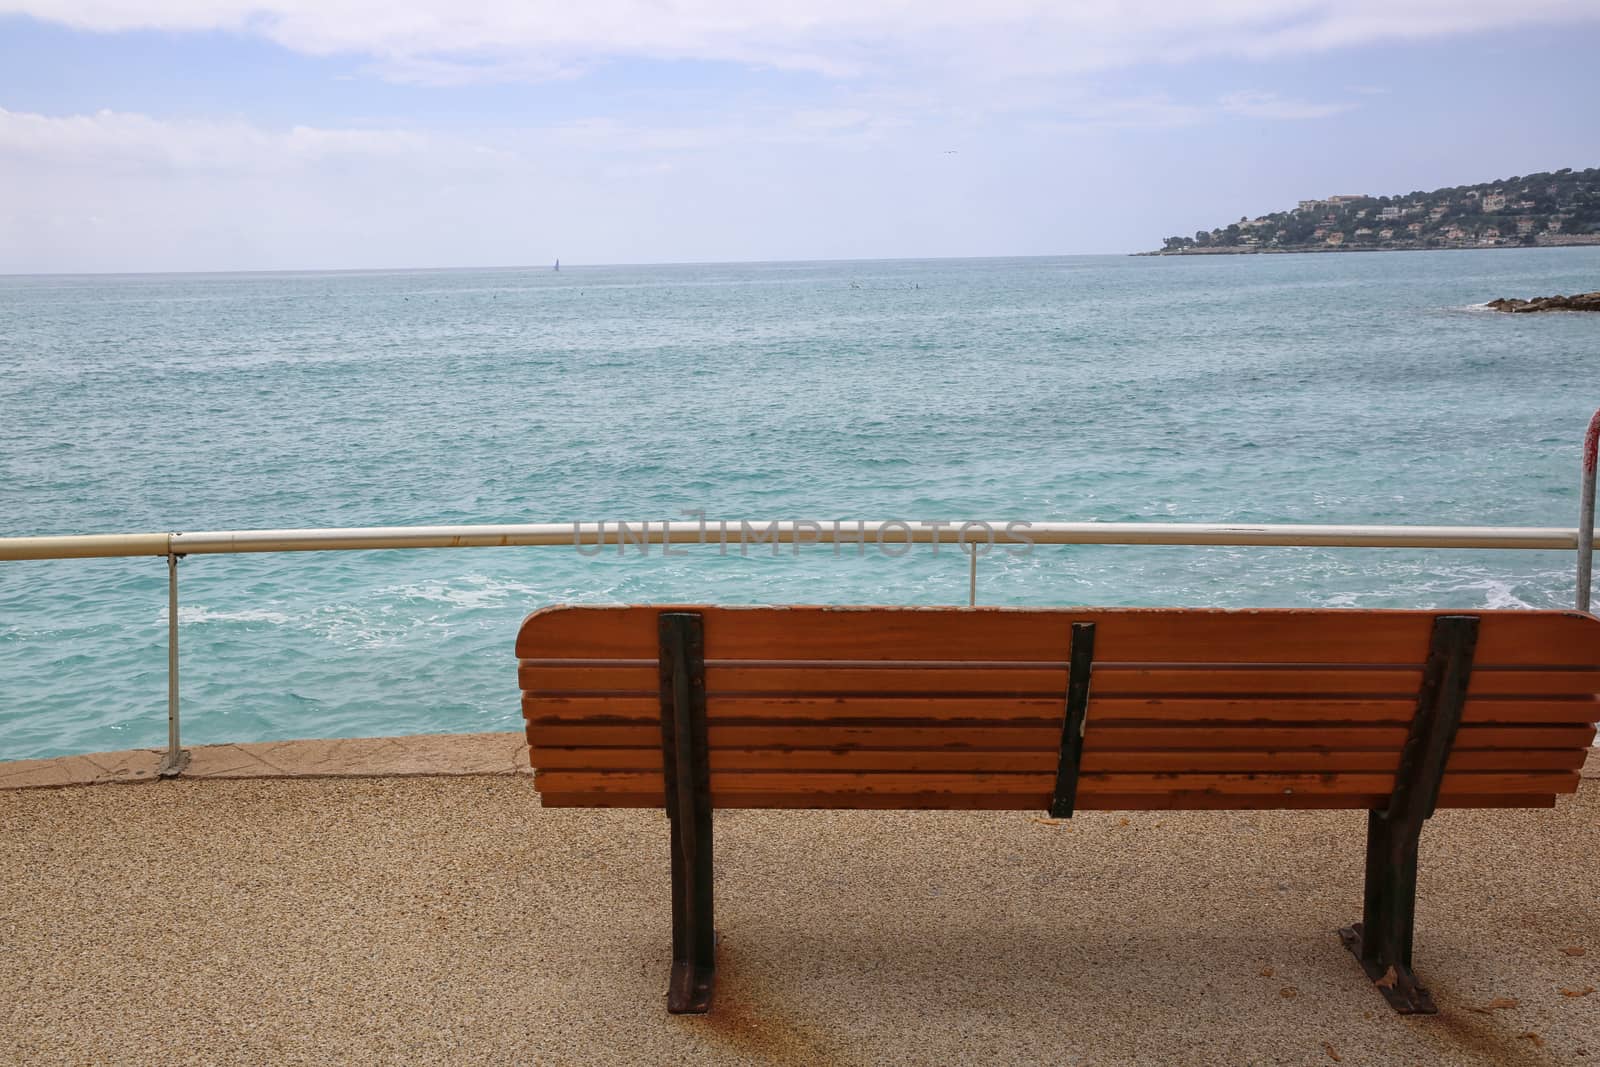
pixel 1545 210
pixel 1572 241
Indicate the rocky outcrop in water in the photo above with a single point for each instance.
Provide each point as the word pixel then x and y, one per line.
pixel 1576 302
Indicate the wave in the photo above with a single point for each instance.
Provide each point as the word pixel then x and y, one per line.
pixel 203 614
pixel 1498 594
pixel 480 591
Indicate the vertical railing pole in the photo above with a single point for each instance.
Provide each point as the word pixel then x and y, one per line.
pixel 972 577
pixel 1591 446
pixel 173 762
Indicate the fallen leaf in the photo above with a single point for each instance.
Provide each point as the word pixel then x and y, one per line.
pixel 1333 1054
pixel 1042 821
pixel 1585 991
pixel 1267 972
pixel 1538 1042
pixel 1495 1005
pixel 1388 980
pixel 1288 992
pixel 1574 950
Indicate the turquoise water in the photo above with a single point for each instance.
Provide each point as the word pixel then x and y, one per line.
pixel 1335 388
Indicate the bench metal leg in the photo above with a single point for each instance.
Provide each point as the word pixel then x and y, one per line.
pixel 1382 940
pixel 688 797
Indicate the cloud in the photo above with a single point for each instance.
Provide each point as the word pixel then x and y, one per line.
pixel 117 190
pixel 454 41
pixel 1261 105
pixel 126 140
pixel 831 118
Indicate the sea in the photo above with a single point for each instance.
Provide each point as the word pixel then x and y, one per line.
pixel 1347 388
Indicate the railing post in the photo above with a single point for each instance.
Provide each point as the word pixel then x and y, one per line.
pixel 972 577
pixel 175 759
pixel 1591 445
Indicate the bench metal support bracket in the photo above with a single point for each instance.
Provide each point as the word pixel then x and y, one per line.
pixel 687 767
pixel 1382 940
pixel 1080 665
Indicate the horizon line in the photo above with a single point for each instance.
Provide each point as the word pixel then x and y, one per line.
pixel 546 267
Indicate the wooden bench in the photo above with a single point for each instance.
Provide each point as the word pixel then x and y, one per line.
pixel 1393 712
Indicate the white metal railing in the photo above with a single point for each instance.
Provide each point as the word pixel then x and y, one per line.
pixel 592 537
pixel 747 533
pixel 750 534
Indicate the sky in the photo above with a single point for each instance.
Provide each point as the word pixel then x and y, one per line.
pixel 171 135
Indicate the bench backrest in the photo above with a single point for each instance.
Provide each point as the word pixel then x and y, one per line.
pixel 818 707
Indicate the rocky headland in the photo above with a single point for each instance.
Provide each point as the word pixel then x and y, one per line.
pixel 1576 302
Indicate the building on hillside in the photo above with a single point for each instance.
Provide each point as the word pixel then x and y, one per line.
pixel 1336 238
pixel 1347 199
pixel 1494 202
pixel 1364 231
pixel 1526 224
pixel 1390 212
pixel 1439 212
pixel 1554 225
pixel 1312 205
pixel 1414 227
pixel 1385 234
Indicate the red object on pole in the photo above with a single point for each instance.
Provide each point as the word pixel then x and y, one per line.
pixel 1591 449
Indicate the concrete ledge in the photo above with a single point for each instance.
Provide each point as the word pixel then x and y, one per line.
pixel 355 757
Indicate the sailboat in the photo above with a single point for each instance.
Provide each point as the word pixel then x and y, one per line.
pixel 558 266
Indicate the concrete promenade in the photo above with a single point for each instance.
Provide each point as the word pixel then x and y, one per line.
pixel 407 901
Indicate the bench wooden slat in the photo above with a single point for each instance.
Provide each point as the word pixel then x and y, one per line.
pixel 1035 787
pixel 1299 802
pixel 1004 634
pixel 1102 737
pixel 953 678
pixel 1490 710
pixel 1108 802
pixel 1041 760
pixel 1291 679
pixel 1040 710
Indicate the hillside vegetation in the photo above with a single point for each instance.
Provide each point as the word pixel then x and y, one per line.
pixel 1558 208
